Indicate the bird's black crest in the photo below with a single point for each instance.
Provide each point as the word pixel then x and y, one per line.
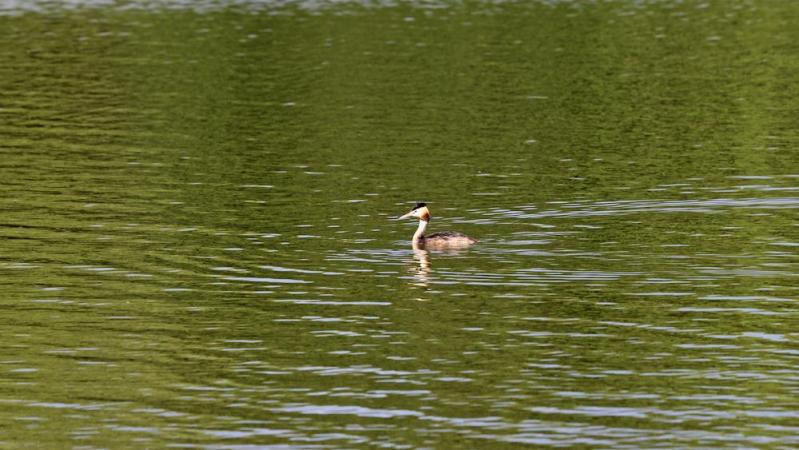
pixel 420 205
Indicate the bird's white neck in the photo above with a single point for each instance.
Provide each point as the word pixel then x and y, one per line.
pixel 417 237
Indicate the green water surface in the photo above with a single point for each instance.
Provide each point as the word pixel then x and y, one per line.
pixel 197 247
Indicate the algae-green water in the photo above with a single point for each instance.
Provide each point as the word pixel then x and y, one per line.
pixel 198 246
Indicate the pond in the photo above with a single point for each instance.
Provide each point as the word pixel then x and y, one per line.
pixel 199 245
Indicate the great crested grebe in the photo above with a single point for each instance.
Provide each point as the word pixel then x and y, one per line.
pixel 443 239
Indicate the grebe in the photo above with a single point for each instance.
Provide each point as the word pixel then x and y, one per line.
pixel 444 239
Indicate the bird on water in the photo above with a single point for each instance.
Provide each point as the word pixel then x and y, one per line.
pixel 443 239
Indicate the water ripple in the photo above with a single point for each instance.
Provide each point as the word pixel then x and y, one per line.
pixel 625 207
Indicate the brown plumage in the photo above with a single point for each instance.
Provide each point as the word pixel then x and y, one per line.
pixel 442 239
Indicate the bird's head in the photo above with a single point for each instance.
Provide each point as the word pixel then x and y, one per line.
pixel 419 211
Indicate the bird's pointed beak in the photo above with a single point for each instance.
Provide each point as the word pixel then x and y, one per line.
pixel 410 214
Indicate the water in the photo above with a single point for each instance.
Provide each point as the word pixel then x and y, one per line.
pixel 197 245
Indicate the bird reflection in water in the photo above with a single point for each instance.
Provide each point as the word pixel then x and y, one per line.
pixel 421 274
pixel 422 269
